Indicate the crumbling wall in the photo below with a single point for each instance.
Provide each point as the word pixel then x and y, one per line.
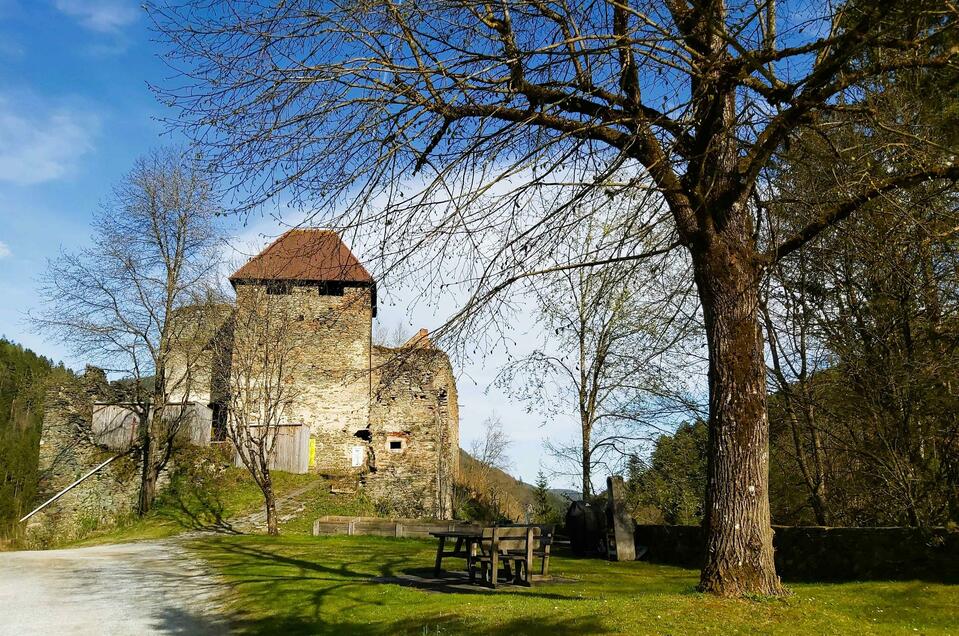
pixel 414 433
pixel 199 362
pixel 67 452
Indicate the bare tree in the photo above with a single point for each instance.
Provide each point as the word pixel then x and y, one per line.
pixel 611 354
pixel 491 454
pixel 395 336
pixel 262 350
pixel 491 450
pixel 795 355
pixel 115 303
pixel 442 124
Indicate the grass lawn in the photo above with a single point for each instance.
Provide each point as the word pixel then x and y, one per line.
pixel 198 502
pixel 327 585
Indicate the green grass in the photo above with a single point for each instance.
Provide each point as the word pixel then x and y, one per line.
pixel 320 502
pixel 306 585
pixel 197 502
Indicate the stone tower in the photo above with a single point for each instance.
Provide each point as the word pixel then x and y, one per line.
pixel 333 301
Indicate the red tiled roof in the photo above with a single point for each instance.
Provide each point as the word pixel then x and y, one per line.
pixel 305 254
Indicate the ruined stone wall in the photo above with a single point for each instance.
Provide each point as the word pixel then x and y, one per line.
pixel 331 373
pixel 66 454
pixel 816 553
pixel 414 425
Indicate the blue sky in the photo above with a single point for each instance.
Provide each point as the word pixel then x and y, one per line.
pixel 75 111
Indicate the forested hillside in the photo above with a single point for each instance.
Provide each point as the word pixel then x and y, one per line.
pixel 24 377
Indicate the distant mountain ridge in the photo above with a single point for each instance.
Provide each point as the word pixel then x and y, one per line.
pixel 517 496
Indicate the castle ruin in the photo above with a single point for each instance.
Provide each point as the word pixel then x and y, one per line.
pixel 381 419
pixel 386 417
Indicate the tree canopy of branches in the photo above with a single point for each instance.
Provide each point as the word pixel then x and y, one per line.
pixel 611 352
pixel 115 302
pixel 862 325
pixel 672 482
pixel 467 133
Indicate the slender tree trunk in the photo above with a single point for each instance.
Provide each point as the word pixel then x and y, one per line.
pixel 739 551
pixel 269 498
pixel 587 480
pixel 147 483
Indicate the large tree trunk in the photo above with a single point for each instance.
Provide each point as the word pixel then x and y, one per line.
pixel 739 552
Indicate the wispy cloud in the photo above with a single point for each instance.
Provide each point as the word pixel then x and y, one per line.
pixel 39 143
pixel 4 250
pixel 104 16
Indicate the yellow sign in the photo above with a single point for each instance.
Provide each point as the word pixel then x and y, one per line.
pixel 312 451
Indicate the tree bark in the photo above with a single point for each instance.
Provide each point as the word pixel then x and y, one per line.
pixel 587 479
pixel 272 527
pixel 739 551
pixel 147 483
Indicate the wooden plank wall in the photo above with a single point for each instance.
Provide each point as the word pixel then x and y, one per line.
pixel 291 451
pixel 115 425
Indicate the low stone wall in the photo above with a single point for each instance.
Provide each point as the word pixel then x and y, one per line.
pixel 827 554
pixel 376 526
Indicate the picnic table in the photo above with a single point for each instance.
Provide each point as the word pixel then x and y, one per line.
pixel 487 549
pixel 462 549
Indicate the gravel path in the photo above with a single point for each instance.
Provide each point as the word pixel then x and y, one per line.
pixel 136 588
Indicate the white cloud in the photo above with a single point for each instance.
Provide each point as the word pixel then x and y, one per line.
pixel 4 250
pixel 39 143
pixel 104 16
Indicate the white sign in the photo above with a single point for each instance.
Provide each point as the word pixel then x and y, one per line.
pixel 357 455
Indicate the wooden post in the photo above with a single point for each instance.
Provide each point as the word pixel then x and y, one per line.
pixel 622 530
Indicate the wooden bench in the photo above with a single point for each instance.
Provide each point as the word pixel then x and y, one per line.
pixel 541 551
pixel 543 541
pixel 512 547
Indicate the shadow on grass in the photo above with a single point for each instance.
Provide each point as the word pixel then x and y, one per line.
pixel 195 506
pixel 427 625
pixel 172 620
pixel 354 597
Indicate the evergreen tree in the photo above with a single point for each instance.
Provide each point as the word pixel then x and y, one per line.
pixel 24 377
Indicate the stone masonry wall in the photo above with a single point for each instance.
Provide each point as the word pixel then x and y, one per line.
pixel 331 374
pixel 414 424
pixel 66 454
pixel 827 554
pixel 197 364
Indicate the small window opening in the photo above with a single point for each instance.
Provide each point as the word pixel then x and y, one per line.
pixel 396 444
pixel 276 288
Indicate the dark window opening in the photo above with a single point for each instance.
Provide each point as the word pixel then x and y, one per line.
pixel 396 444
pixel 331 288
pixel 277 288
